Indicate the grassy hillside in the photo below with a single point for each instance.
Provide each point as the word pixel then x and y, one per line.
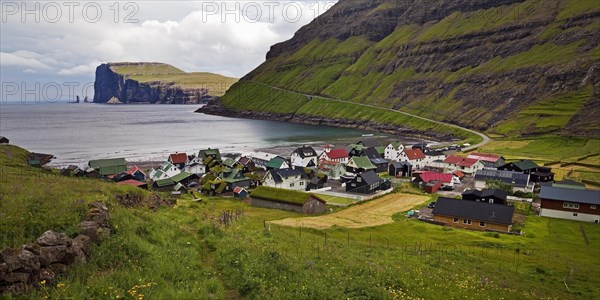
pixel 506 67
pixel 167 74
pixel 184 252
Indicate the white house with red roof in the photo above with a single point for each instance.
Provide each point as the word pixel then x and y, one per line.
pixel 178 159
pixel 336 155
pixel 415 157
pixel 488 160
pixel 463 164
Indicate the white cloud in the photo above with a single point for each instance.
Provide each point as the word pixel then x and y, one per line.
pixel 23 59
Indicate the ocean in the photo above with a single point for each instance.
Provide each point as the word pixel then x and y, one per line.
pixel 76 133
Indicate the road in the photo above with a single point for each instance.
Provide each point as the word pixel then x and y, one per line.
pixel 485 138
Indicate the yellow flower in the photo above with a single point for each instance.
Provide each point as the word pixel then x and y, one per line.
pixel 60 285
pixel 43 282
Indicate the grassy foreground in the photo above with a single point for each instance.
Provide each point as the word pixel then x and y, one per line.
pixel 184 253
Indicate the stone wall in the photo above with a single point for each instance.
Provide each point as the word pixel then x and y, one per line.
pixel 31 264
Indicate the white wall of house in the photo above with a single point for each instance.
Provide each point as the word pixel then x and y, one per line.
pixel 569 215
pixel 298 161
pixel 290 183
pixel 196 169
pixel 393 153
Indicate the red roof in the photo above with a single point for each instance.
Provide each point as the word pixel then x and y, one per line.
pixel 461 161
pixel 484 156
pixel 413 154
pixel 433 176
pixel 459 174
pixel 133 169
pixel 178 158
pixel 238 189
pixel 337 153
pixel 132 182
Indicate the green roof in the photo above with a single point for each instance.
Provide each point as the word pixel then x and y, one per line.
pixel 206 152
pixel 178 186
pixel 229 162
pixel 181 176
pixel 356 146
pixel 275 162
pixel 164 182
pixel 280 195
pixel 158 173
pixel 363 162
pixel 525 164
pixel 111 162
pixel 231 178
pixel 380 150
pixel 166 166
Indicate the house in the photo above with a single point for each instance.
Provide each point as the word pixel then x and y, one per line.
pixel 122 176
pixel 415 157
pixel 317 182
pixel 489 160
pixel 400 169
pixel 195 168
pixel 166 170
pixel 109 166
pixel 428 176
pixel 247 163
pixel 380 164
pixel 359 164
pixel 260 159
pixel 519 181
pixel 434 155
pixel 369 143
pixel 234 178
pixel 473 215
pixel 304 157
pixel 184 178
pixel 4 140
pixel 277 163
pixel 392 151
pixel 364 183
pixel 214 153
pixel 133 182
pixel 240 192
pixel 163 184
pixel 229 162
pixel 178 159
pixel 542 174
pixel 137 174
pixel 523 165
pixel 297 201
pixel 355 150
pixel 493 196
pixel 465 165
pixel 570 203
pixel 332 169
pixel 432 186
pixel 336 155
pixel 290 179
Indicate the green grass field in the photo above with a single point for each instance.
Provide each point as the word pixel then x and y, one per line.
pixel 183 252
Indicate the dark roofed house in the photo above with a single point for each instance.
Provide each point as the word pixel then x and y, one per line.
pixel 247 163
pixel 380 163
pixel 214 153
pixel 542 174
pixel 240 192
pixel 473 215
pixel 364 183
pixel 571 204
pixel 519 181
pixel 523 165
pixel 304 157
pixel 487 195
pixel 400 169
pixel 291 179
pixel 109 166
pixel 4 140
pixel 287 200
pixel 370 143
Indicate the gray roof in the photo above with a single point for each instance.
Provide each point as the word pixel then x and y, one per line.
pixel 305 152
pixel 515 178
pixel 378 160
pixel 570 195
pixel 401 164
pixel 370 177
pixel 280 174
pixel 480 211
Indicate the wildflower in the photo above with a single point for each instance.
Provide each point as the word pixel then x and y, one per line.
pixel 60 285
pixel 43 282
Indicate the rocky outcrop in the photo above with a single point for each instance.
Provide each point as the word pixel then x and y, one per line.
pixel 38 264
pixel 110 84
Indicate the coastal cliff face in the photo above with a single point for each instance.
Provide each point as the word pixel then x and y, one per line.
pixel 510 67
pixel 150 83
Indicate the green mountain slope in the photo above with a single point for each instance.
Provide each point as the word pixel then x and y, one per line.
pixel 506 67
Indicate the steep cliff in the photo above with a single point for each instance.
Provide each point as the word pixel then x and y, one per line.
pixel 510 67
pixel 156 83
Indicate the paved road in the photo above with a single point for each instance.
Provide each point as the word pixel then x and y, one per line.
pixel 485 138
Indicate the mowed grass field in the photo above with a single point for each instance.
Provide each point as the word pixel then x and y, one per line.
pixel 372 213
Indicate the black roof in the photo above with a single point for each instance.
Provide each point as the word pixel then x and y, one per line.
pixel 400 164
pixel 370 177
pixel 480 211
pixel 515 178
pixel 499 194
pixel 475 193
pixel 279 174
pixel 371 153
pixel 570 195
pixel 305 151
pixel 370 143
pixel 434 153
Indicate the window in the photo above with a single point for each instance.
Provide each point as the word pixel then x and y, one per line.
pixel 570 205
pixel 301 182
pixel 593 206
pixel 467 221
pixel 292 184
pixel 482 224
pixel 574 214
pixel 455 220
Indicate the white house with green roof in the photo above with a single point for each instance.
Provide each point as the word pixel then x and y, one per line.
pixel 166 170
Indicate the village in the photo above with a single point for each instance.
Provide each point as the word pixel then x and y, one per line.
pixel 475 191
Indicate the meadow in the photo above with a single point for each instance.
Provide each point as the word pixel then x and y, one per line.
pixel 184 252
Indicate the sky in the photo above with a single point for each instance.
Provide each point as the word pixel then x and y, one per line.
pixel 50 49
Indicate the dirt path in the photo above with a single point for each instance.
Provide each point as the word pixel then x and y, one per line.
pixel 485 138
pixel 373 213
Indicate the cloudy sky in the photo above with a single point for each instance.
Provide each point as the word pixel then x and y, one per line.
pixel 54 42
